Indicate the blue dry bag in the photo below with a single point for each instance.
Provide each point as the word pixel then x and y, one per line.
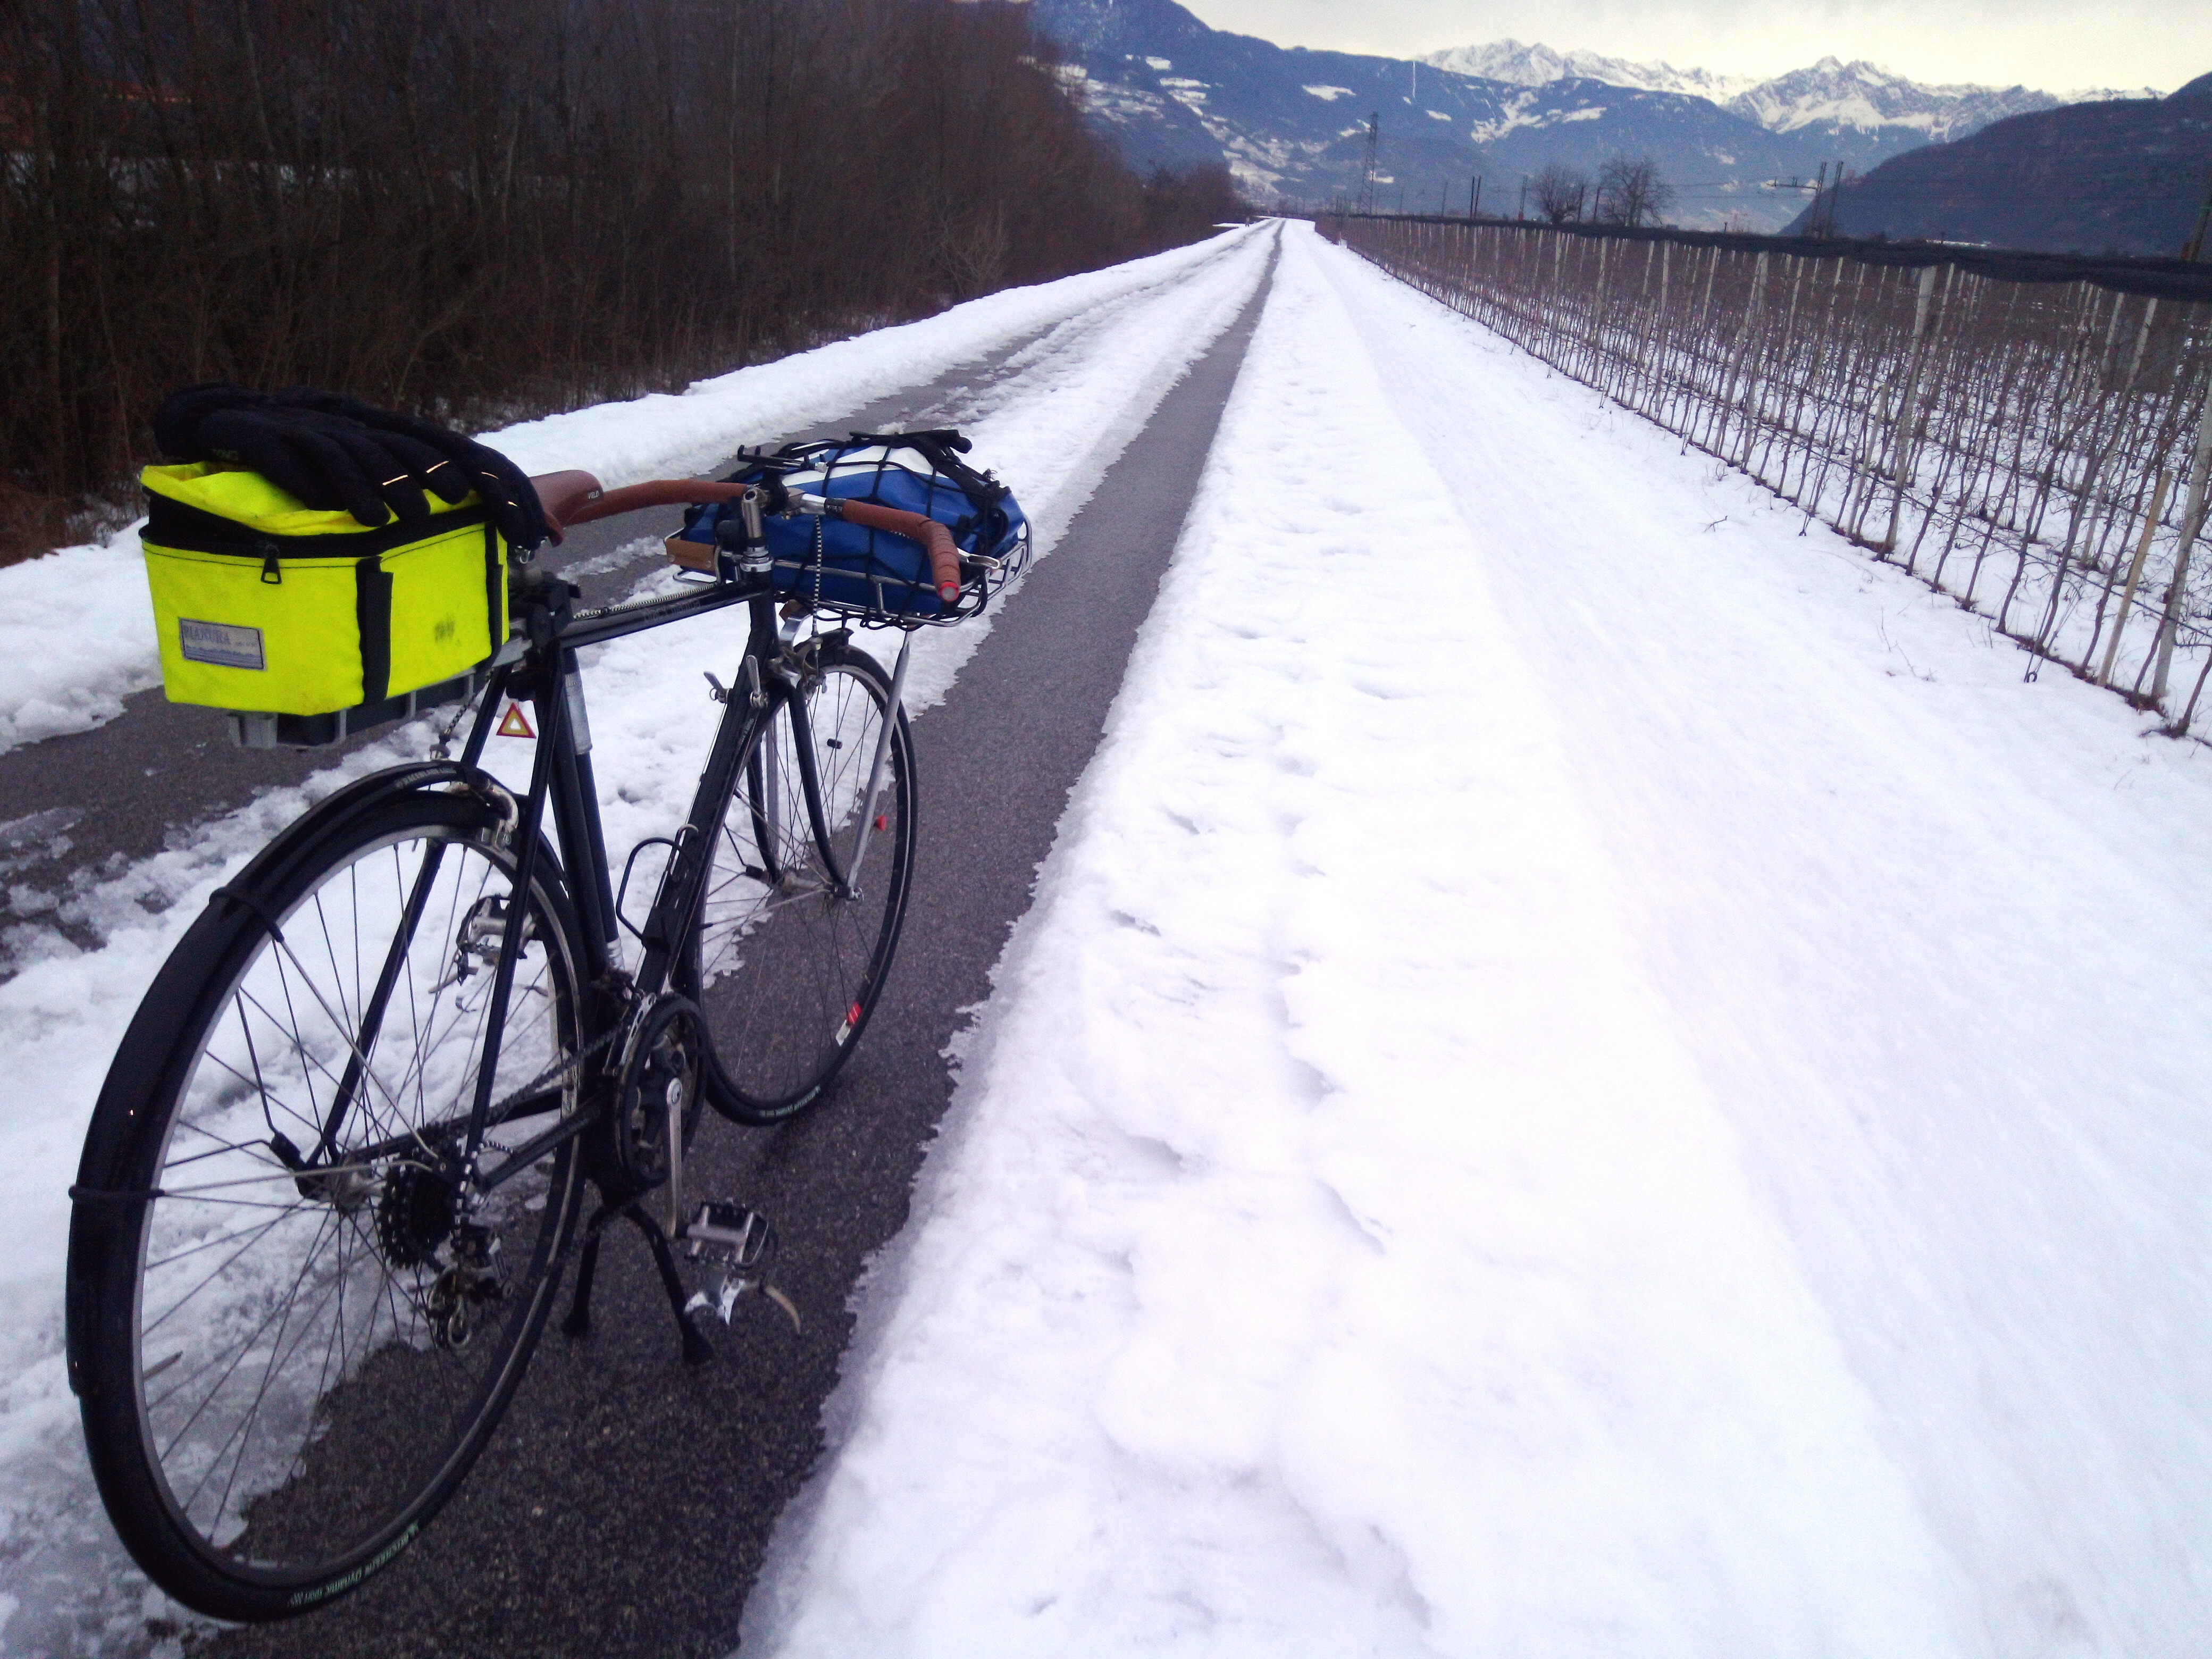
pixel 873 574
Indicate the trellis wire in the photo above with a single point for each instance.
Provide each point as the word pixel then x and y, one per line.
pixel 2038 451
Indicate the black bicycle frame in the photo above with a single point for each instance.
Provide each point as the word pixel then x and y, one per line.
pixel 546 671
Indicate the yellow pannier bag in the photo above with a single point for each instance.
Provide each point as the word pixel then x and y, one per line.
pixel 267 606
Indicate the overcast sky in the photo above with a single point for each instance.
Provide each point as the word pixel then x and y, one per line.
pixel 2056 45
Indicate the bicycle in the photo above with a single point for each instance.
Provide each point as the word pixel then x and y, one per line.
pixel 340 1157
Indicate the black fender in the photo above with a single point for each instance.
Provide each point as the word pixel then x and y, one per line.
pixel 305 833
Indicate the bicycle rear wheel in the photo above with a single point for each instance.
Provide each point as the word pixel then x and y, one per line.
pixel 290 1354
pixel 791 945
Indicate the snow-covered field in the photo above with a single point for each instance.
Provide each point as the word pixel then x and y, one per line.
pixel 1096 353
pixel 1589 1076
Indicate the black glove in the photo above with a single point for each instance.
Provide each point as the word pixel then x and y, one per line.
pixel 505 489
pixel 335 453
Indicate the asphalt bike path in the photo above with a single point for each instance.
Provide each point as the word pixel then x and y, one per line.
pixel 1052 403
pixel 624 1505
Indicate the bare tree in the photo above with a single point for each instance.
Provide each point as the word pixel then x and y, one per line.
pixel 484 209
pixel 1630 191
pixel 1560 192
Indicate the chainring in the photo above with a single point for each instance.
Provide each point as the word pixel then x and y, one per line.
pixel 660 1075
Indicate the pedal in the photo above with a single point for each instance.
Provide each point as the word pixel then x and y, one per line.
pixel 741 1243
pixel 730 1234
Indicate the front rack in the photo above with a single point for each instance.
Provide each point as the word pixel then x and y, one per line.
pixel 895 600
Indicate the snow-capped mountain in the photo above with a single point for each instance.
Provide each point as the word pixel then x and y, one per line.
pixel 2109 94
pixel 1832 95
pixel 1291 124
pixel 2101 175
pixel 1538 65
pixel 1829 97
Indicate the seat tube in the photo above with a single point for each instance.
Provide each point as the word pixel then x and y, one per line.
pixel 577 796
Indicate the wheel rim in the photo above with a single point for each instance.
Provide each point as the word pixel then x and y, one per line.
pixel 313 1356
pixel 789 966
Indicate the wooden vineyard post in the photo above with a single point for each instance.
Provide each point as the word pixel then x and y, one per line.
pixel 1992 403
pixel 1907 406
pixel 2192 520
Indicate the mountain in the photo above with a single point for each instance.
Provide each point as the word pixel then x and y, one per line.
pixel 1291 124
pixel 2126 175
pixel 1538 65
pixel 1831 97
pixel 1835 98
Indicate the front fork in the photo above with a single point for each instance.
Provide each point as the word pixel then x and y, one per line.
pixel 851 879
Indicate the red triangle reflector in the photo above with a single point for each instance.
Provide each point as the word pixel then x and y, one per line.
pixel 515 723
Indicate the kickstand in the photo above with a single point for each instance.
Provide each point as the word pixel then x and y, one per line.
pixel 578 1324
pixel 697 1350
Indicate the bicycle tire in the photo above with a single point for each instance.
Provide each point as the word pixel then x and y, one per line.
pixel 282 1379
pixel 787 968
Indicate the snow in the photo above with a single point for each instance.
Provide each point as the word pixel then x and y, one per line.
pixel 77 637
pixel 1589 1074
pixel 77 629
pixel 1110 346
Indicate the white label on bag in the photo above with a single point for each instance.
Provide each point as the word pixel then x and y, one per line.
pixel 221 643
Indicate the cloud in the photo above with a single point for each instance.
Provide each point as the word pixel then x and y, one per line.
pixel 2057 44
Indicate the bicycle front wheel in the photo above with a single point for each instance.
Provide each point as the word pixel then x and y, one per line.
pixel 805 888
pixel 293 1327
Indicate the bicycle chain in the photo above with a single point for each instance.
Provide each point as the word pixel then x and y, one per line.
pixel 563 1073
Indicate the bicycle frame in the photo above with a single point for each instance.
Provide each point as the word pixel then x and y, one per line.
pixel 541 664
pixel 494 1050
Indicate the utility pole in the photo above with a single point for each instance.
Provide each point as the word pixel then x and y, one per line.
pixel 1830 194
pixel 1474 200
pixel 1367 176
pixel 1521 212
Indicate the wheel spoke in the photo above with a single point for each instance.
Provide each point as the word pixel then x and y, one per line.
pixel 293 1395
pixel 786 962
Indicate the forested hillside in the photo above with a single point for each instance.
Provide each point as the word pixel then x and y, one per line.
pixel 2126 177
pixel 487 208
